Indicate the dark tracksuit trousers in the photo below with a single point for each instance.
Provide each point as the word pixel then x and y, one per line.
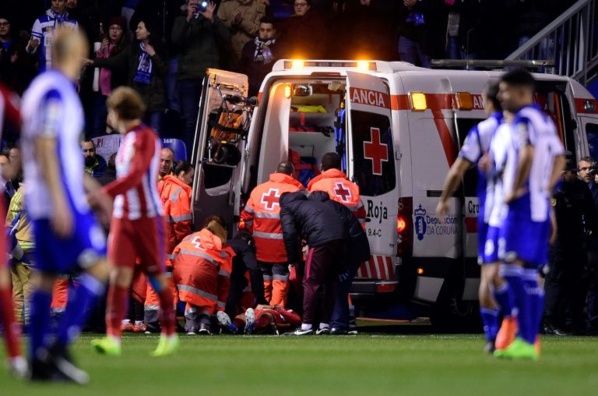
pixel 321 270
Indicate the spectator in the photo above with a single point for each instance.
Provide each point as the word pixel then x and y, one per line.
pixel 16 66
pixel 303 34
pixel 586 172
pixel 243 245
pixel 261 216
pixel 565 292
pixel 166 162
pixel 200 37
pixel 21 247
pixel 202 265
pixel 411 25
pixel 242 17
pixel 113 43
pixel 146 67
pixel 259 54
pixel 466 29
pixel 318 224
pixel 127 11
pixel 95 164
pixel 175 194
pixel 110 174
pixel 43 30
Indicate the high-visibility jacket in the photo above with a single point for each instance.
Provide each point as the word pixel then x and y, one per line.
pixel 176 198
pixel 201 270
pixel 340 189
pixel 261 216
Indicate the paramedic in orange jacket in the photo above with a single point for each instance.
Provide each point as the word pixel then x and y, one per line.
pixel 202 266
pixel 175 194
pixel 340 189
pixel 261 217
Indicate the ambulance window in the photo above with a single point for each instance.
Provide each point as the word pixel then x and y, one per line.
pixel 373 154
pixel 592 134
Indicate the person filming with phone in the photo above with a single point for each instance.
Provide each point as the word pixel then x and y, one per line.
pixel 201 37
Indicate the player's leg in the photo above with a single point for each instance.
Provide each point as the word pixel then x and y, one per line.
pixel 150 237
pixel 488 308
pixel 16 363
pixel 122 255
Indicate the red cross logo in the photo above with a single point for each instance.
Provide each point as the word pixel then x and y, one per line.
pixel 376 151
pixel 341 192
pixel 270 199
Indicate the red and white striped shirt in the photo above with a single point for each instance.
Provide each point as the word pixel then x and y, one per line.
pixel 136 186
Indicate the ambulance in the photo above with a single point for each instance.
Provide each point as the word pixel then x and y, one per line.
pixel 398 128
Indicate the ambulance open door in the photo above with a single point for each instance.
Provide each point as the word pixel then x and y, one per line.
pixel 219 139
pixel 371 164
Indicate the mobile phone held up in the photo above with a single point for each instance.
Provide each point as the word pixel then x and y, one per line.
pixel 201 7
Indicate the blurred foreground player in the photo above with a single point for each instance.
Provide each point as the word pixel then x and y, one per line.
pixel 16 363
pixel 66 233
pixel 137 226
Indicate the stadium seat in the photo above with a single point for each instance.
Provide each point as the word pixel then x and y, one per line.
pixel 176 145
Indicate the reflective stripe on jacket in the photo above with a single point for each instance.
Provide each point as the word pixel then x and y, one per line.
pixel 261 216
pixel 202 268
pixel 176 197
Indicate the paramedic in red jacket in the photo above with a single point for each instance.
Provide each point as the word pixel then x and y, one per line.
pixel 175 194
pixel 340 189
pixel 202 266
pixel 261 217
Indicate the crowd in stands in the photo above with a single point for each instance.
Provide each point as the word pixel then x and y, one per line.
pixel 162 48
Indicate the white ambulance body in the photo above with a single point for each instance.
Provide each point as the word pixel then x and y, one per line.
pixel 402 129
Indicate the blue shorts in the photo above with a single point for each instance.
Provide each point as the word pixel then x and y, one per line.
pixel 489 253
pixel 82 249
pixel 525 240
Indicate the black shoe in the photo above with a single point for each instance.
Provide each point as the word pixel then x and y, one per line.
pixel 553 330
pixel 41 371
pixel 337 331
pixel 204 329
pixel 490 347
pixel 64 365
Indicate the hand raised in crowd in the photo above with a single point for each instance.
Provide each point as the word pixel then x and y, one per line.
pixel 209 12
pixel 191 10
pixel 105 43
pixel 33 44
pixel 150 50
pixel 409 3
pixel 237 17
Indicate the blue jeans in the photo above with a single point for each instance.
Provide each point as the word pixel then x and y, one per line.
pixel 410 51
pixel 189 93
pixel 154 120
pixel 172 96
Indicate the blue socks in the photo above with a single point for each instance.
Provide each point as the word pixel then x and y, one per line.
pixel 535 296
pixel 78 308
pixel 39 320
pixel 504 298
pixel 490 321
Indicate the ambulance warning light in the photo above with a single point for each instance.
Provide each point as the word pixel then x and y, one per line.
pixel 464 100
pixel 288 90
pixel 420 271
pixel 297 64
pixel 418 101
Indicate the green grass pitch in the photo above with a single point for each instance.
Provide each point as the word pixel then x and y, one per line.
pixel 323 365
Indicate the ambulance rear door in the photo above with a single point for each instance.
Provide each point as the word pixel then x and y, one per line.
pixel 372 166
pixel 219 140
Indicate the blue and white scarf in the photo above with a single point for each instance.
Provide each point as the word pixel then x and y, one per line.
pixel 143 75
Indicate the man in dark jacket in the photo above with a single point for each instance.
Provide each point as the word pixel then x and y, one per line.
pixel 318 224
pixel 357 250
pixel 259 55
pixel 244 261
pixel 200 37
pixel 565 288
